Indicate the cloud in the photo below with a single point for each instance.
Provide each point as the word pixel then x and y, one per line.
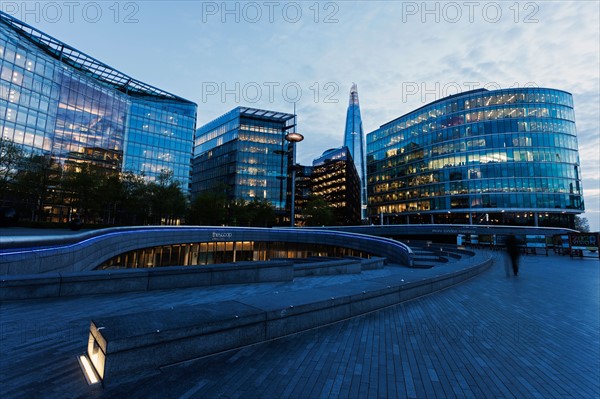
pixel 375 44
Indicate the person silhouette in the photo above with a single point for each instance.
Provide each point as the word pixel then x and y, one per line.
pixel 512 248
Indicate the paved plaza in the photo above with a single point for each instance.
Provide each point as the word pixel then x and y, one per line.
pixel 535 335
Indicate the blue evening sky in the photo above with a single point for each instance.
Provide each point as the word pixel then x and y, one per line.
pixel 402 54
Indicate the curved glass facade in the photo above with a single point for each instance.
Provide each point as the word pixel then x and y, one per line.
pixel 58 101
pixel 482 157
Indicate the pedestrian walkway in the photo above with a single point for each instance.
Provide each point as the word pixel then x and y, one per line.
pixel 535 335
pixel 531 336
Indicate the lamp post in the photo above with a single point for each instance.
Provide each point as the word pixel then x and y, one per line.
pixel 293 138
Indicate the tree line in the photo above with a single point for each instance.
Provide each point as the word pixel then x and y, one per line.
pixel 35 184
pixel 215 208
pixel 41 189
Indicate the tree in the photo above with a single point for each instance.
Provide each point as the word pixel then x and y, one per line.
pixel 112 195
pixel 37 184
pixel 168 203
pixel 135 208
pixel 263 213
pixel 81 188
pixel 582 224
pixel 209 208
pixel 11 155
pixel 255 213
pixel 318 212
pixel 238 213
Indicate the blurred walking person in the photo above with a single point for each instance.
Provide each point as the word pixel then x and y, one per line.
pixel 512 248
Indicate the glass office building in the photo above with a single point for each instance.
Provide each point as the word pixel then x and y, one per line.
pixel 480 157
pixel 58 101
pixel 354 139
pixel 245 153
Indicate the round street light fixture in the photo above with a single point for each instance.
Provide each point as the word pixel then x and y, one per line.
pixel 294 137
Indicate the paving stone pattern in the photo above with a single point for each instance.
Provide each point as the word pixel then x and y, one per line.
pixel 531 336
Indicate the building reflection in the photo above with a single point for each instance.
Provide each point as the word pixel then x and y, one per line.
pixel 57 102
pixel 499 157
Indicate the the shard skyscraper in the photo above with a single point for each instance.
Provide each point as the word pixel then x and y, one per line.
pixel 354 139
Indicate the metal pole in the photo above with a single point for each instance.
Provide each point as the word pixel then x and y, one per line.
pixel 281 206
pixel 293 205
pixel 293 138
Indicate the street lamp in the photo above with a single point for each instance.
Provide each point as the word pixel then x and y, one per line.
pixel 293 138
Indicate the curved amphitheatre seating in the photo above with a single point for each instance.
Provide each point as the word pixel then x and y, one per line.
pixel 84 252
pixel 124 348
pixel 55 266
pixel 127 348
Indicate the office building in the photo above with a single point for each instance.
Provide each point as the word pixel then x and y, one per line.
pixel 245 153
pixel 59 102
pixel 303 194
pixel 335 179
pixel 354 139
pixel 481 157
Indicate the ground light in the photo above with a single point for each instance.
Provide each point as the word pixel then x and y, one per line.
pixel 88 370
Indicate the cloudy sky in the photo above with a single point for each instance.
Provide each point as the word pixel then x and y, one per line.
pixel 402 54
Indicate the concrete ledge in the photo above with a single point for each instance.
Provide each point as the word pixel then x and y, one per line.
pixel 162 278
pixel 129 280
pixel 343 266
pixel 417 265
pixel 30 286
pixel 103 282
pixel 129 346
pixel 178 277
pixel 373 263
pixel 125 348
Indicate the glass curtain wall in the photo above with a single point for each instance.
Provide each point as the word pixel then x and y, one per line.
pixel 59 102
pixel 245 153
pixel 471 157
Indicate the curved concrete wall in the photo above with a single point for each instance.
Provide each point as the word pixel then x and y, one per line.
pixel 125 348
pixel 33 255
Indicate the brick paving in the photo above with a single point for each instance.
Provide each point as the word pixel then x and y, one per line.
pixel 531 336
pixel 535 335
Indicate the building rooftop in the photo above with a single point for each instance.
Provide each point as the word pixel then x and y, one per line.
pixel 265 114
pixel 462 94
pixel 247 112
pixel 85 63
